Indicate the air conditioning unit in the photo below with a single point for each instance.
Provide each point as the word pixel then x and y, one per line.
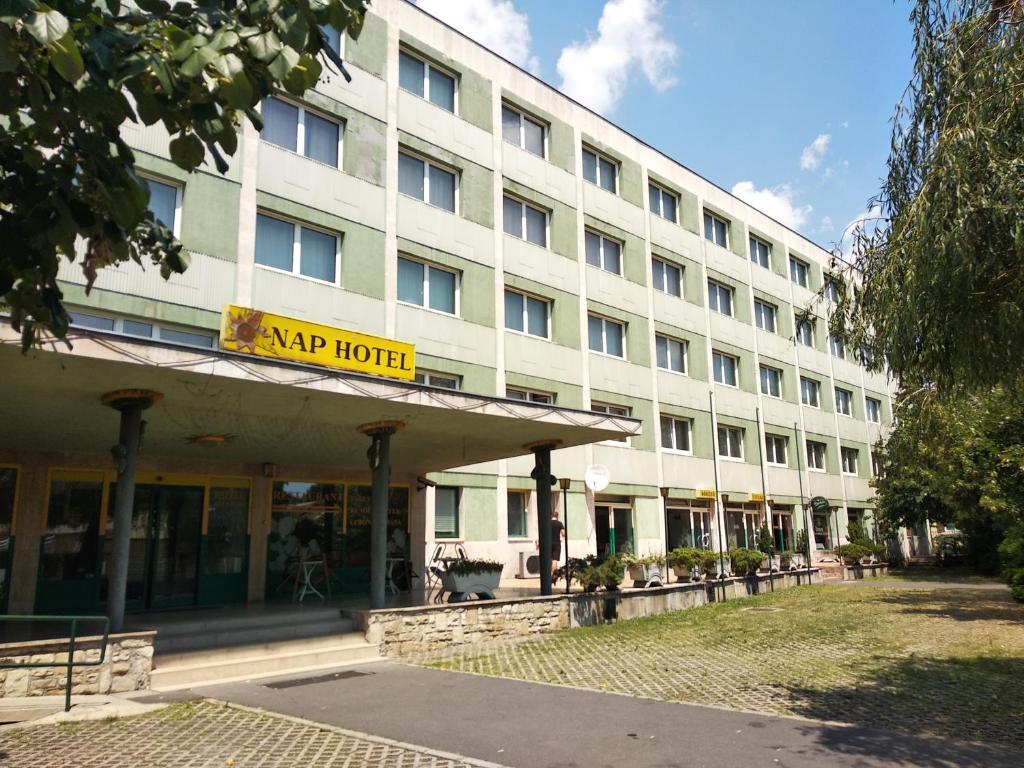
pixel 529 565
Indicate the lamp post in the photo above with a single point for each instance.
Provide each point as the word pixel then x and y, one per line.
pixel 563 483
pixel 664 510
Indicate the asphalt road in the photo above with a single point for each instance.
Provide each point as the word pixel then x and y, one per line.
pixel 529 725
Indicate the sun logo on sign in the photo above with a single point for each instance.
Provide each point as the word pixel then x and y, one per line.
pixel 245 328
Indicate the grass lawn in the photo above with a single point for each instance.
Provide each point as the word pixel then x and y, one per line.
pixel 957 574
pixel 945 663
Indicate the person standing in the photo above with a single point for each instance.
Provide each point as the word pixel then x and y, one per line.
pixel 557 534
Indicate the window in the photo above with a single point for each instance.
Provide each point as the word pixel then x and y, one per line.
pixel 730 442
pixel 145 329
pixel 525 222
pixel 815 455
pixel 764 315
pixel 426 80
pixel 836 347
pixel 297 249
pixel 671 353
pixel 440 380
pixel 716 230
pixel 775 449
pixel 525 132
pixel 427 286
pixel 760 253
pixel 663 203
pixel 804 332
pixel 849 460
pixel 526 314
pixel 668 278
pixel 600 170
pixel 297 129
pixel 832 290
pixel 164 203
pixel 798 271
pixel 874 409
pixel 720 298
pixel 844 401
pixel 426 181
pixel 612 410
pixel 606 335
pixel 810 392
pixel 530 396
pixel 725 368
pixel 517 514
pixel 603 253
pixel 675 434
pixel 771 381
pixel 876 465
pixel 332 37
pixel 446 512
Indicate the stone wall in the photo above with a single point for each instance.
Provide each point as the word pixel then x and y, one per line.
pixel 424 629
pixel 871 571
pixel 126 666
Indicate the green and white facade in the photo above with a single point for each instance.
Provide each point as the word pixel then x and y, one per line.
pixel 542 234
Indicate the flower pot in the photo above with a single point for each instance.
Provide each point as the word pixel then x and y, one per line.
pixel 481 583
pixel 775 563
pixel 647 575
pixel 687 574
pixel 716 569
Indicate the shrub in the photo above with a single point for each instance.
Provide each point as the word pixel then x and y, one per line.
pixel 802 541
pixel 765 543
pixel 852 552
pixel 949 547
pixel 612 570
pixel 648 560
pixel 745 562
pixel 1016 578
pixel 709 560
pixel 466 567
pixel 687 557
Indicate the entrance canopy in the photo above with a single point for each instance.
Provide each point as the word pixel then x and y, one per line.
pixel 225 405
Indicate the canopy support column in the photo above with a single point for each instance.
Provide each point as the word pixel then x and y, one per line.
pixel 544 479
pixel 379 457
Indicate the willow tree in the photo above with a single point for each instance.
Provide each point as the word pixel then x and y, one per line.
pixel 934 286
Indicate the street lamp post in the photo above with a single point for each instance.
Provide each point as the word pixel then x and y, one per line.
pixel 664 510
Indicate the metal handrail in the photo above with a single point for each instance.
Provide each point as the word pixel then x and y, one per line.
pixel 73 637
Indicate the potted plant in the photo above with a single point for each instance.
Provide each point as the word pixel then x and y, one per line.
pixel 713 564
pixel 585 572
pixel 802 543
pixel 766 544
pixel 687 563
pixel 745 562
pixel 852 554
pixel 466 577
pixel 787 560
pixel 612 571
pixel 647 571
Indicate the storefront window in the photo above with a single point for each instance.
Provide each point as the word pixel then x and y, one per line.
pixel 72 529
pixel 305 523
pixel 358 521
pixel 227 530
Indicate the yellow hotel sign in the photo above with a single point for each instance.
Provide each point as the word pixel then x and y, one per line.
pixel 286 338
pixel 706 493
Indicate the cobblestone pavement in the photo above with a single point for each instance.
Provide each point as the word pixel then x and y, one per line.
pixel 206 734
pixel 927 662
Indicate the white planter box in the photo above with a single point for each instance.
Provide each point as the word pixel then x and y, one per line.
pixel 713 571
pixel 481 583
pixel 647 575
pixel 686 574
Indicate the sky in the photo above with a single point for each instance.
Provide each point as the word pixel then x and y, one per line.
pixel 784 103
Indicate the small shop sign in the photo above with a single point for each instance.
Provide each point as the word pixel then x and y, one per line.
pixel 820 504
pixel 706 493
pixel 255 332
pixel 756 496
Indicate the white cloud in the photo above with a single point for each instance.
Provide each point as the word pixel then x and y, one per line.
pixel 777 202
pixel 813 153
pixel 866 220
pixel 844 124
pixel 495 24
pixel 596 72
pixel 826 224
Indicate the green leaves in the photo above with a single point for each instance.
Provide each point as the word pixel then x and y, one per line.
pixel 48 26
pixel 66 59
pixel 187 152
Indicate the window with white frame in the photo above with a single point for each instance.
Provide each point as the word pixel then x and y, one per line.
pixel 716 229
pixel 760 253
pixel 428 286
pixel 527 314
pixel 764 315
pixel 612 410
pixel 426 181
pixel 775 449
pixel 446 512
pixel 675 433
pixel 440 380
pixel 600 170
pixel 668 278
pixel 798 271
pixel 517 515
pixel 873 408
pixel 876 465
pixel 663 203
pixel 603 252
pixel 525 221
pixel 671 353
pixel 832 290
pixel 296 248
pixel 606 335
pixel 333 38
pixel 725 368
pixel 804 332
pixel 164 202
pixel 815 455
pixel 720 298
pixel 810 392
pixel 844 401
pixel 426 80
pixel 147 329
pixel 525 132
pixel 529 395
pixel 730 442
pixel 836 347
pixel 296 128
pixel 771 381
pixel 849 457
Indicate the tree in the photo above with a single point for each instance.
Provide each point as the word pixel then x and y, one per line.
pixel 934 286
pixel 73 71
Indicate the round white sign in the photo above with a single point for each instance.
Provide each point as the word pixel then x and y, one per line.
pixel 597 477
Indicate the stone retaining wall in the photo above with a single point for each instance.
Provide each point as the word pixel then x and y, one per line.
pixel 871 571
pixel 423 629
pixel 126 666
